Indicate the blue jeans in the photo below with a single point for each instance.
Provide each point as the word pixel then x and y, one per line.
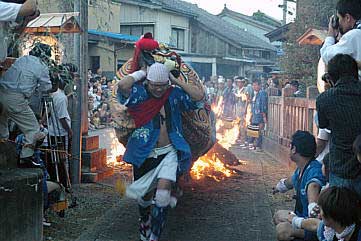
pixel 353 184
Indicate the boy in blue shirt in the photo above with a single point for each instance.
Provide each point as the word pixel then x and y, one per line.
pixel 307 181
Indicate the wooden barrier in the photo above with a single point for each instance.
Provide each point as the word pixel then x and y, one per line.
pixel 286 115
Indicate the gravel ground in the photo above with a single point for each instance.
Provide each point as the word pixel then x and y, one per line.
pixel 237 208
pixel 93 201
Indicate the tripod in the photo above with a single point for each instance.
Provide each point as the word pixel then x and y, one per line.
pixel 55 142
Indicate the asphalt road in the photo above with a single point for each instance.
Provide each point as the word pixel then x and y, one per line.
pixel 238 208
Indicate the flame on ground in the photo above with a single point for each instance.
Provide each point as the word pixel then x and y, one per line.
pixel 209 165
pixel 227 133
pixel 206 166
pixel 117 150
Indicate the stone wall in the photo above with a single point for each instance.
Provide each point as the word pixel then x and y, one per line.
pixel 21 205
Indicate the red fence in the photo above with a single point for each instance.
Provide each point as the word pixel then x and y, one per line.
pixel 289 114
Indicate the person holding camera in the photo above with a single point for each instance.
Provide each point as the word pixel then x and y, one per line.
pixel 339 110
pixel 347 23
pixel 16 87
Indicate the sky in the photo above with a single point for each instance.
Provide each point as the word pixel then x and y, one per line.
pixel 269 7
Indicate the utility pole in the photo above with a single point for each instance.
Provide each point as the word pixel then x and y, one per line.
pixel 80 118
pixel 285 9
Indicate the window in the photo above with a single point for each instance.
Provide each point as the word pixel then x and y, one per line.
pixel 246 53
pixel 136 30
pixel 95 63
pixel 177 38
pixel 257 53
pixel 266 54
pixel 120 63
pixel 232 50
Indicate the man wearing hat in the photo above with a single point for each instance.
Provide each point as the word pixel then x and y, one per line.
pixel 241 106
pixel 16 87
pixel 156 148
pixel 307 181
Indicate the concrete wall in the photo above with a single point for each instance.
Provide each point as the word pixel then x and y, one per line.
pixel 52 6
pixel 126 53
pixel 104 15
pixel 21 205
pixel 105 50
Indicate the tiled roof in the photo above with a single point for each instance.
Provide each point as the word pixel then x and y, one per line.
pixel 226 11
pixel 211 22
pixel 216 25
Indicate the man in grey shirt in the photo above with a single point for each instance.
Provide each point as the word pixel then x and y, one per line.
pixel 16 87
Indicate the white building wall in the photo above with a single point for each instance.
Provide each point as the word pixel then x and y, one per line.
pixel 163 22
pixel 136 14
pixel 104 15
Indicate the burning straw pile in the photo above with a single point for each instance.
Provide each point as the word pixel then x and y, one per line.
pixel 214 163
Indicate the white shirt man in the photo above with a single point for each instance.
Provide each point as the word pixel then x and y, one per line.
pixel 8 13
pixel 60 125
pixel 350 43
pixel 60 102
pixel 349 26
pixel 324 138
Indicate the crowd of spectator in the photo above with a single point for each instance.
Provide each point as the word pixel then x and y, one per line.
pixel 328 205
pixel 99 92
pixel 327 177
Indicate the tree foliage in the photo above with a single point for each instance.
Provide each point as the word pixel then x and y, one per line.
pixel 300 62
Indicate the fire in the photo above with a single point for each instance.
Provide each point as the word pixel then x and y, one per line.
pixel 210 167
pixel 227 136
pixel 117 149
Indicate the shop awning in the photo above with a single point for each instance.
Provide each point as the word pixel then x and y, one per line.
pixel 112 36
pixel 54 23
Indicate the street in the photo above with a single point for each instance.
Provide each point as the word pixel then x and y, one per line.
pixel 237 208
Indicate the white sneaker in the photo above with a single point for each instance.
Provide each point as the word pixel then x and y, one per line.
pixel 244 144
pixel 46 223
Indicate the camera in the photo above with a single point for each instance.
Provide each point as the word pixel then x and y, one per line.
pixel 328 79
pixel 335 22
